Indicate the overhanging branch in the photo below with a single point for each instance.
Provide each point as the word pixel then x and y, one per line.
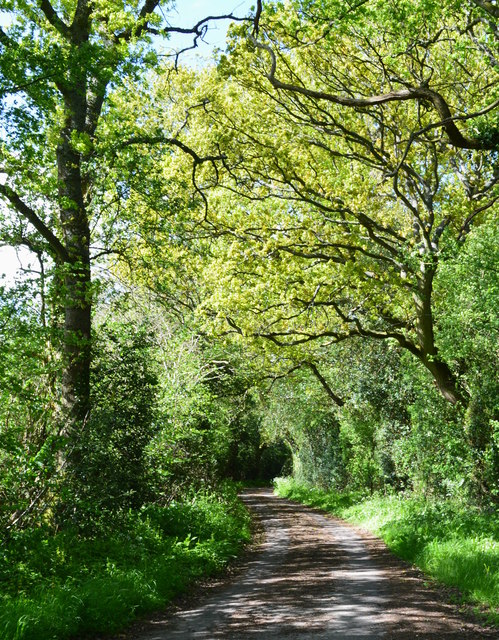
pixel 174 142
pixel 423 92
pixel 335 398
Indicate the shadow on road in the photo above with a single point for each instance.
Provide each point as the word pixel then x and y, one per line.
pixel 315 577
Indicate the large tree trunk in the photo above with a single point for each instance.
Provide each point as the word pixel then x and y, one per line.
pixel 445 380
pixel 76 376
pixel 77 294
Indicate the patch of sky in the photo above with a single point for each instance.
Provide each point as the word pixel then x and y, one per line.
pixel 5 18
pixel 15 262
pixel 187 14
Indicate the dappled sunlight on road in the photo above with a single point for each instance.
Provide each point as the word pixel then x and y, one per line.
pixel 313 577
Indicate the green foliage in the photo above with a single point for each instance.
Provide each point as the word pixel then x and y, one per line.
pixel 332 501
pixel 29 373
pixel 317 235
pixel 207 422
pixel 430 449
pixel 297 413
pixel 468 286
pixel 360 433
pixel 197 408
pixel 66 585
pixel 109 470
pixel 453 543
pixel 394 430
pixel 347 210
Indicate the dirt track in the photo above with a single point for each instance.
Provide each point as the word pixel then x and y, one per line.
pixel 314 577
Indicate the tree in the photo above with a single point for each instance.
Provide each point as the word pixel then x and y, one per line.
pixel 350 192
pixel 59 64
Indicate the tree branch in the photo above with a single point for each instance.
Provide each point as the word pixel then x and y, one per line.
pixel 466 225
pixel 280 376
pixel 55 244
pixel 198 30
pixel 489 7
pixel 80 27
pixel 336 399
pixel 441 123
pixel 315 255
pixel 54 19
pixel 275 337
pixel 423 92
pixel 175 143
pixel 25 86
pixel 256 20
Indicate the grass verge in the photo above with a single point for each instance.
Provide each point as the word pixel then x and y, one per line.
pixel 57 587
pixel 453 544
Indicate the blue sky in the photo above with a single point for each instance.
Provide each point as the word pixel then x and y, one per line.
pixel 188 12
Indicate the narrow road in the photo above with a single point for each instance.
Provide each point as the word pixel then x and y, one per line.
pixel 314 577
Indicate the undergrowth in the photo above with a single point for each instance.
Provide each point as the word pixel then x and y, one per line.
pixel 63 585
pixel 452 543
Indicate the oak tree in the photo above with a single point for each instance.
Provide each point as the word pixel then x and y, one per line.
pixel 60 62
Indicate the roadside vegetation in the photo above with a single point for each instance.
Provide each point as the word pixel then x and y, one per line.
pixel 71 584
pixel 450 542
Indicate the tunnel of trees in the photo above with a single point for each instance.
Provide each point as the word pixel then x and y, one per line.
pixel 283 261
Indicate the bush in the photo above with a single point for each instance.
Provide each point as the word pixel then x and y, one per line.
pixel 109 472
pixel 67 584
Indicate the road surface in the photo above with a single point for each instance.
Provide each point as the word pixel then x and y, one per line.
pixel 313 578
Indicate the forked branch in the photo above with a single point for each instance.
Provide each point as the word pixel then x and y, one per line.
pixel 423 92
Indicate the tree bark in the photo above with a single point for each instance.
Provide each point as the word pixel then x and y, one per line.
pixel 445 380
pixel 77 294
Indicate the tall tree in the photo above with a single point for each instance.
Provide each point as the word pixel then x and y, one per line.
pixel 364 154
pixel 59 62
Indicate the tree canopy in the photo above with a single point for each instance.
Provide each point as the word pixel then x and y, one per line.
pixel 283 260
pixel 360 154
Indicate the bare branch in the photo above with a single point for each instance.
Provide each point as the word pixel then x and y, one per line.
pixel 199 29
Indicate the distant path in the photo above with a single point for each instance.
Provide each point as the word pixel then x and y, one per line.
pixel 314 577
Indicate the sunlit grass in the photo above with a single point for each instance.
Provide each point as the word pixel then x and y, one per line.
pixel 452 543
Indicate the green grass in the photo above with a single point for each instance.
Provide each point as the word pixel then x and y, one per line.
pixel 56 587
pixel 455 544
